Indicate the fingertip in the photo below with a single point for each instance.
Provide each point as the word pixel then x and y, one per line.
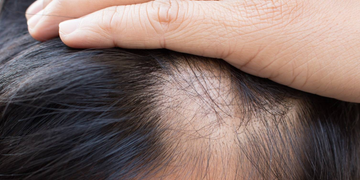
pixel 76 36
pixel 35 19
pixel 68 27
pixel 40 29
pixel 34 8
pixel 43 32
pixel 81 39
pixel 69 41
pixel 68 34
pixel 43 25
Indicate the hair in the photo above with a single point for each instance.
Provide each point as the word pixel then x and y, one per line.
pixel 156 114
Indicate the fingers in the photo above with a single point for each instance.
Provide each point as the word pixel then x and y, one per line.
pixel 221 29
pixel 44 16
pixel 36 7
pixel 187 26
pixel 284 41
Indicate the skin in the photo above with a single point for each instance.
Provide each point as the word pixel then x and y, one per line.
pixel 309 45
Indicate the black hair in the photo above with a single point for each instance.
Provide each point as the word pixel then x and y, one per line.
pixel 124 114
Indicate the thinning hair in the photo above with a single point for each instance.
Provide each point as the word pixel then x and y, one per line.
pixel 156 114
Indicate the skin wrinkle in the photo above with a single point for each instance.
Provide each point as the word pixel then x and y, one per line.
pixel 167 13
pixel 289 8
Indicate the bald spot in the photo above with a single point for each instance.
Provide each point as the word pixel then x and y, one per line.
pixel 207 132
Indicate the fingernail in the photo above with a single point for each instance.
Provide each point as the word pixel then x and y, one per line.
pixel 35 19
pixel 34 8
pixel 67 27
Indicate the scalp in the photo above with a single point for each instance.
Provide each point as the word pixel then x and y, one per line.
pixel 208 128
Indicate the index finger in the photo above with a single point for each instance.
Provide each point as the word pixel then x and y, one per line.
pixel 44 16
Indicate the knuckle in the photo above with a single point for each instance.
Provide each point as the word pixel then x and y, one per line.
pixel 109 19
pixel 165 15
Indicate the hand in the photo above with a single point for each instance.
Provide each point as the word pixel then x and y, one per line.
pixel 309 45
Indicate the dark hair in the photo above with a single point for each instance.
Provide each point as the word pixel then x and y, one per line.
pixel 125 114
